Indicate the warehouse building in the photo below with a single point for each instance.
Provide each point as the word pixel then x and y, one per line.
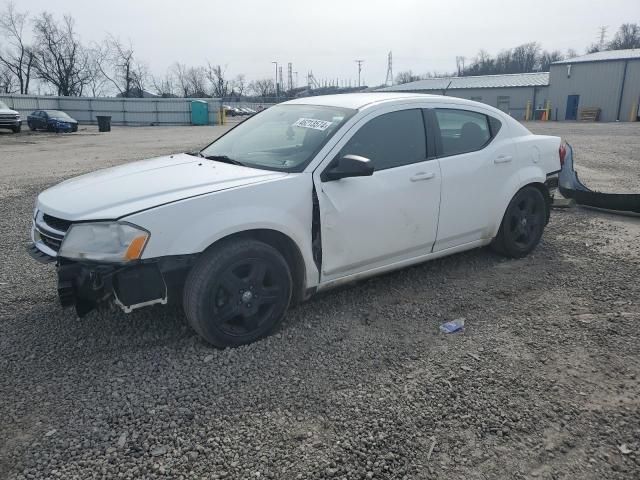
pixel 608 82
pixel 602 86
pixel 509 93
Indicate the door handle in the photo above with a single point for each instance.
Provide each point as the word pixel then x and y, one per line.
pixel 420 176
pixel 503 159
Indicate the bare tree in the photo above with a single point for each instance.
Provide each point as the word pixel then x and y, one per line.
pixel 16 57
pixel 219 83
pixel 197 82
pixel 571 53
pixel 627 36
pixel 7 80
pixel 263 87
pixel 97 80
pixel 120 67
pixel 525 57
pixel 238 85
pixel 547 58
pixel 60 58
pixel 164 87
pixel 406 77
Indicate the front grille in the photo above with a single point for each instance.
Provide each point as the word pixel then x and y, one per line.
pixel 8 116
pixel 56 223
pixel 50 231
pixel 51 242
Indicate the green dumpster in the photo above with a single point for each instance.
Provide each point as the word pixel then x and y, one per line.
pixel 199 112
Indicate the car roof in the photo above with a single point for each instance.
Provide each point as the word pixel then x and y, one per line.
pixel 360 100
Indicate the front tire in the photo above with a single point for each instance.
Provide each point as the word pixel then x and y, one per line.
pixel 16 129
pixel 522 225
pixel 237 293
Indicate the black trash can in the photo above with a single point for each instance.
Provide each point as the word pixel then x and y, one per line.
pixel 104 123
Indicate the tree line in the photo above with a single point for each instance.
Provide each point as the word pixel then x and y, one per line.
pixel 529 57
pixel 55 56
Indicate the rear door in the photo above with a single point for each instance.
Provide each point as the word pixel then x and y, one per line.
pixel 477 161
pixel 370 222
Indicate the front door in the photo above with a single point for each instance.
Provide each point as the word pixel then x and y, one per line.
pixel 572 107
pixel 370 222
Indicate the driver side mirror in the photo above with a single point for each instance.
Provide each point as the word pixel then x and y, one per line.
pixel 347 166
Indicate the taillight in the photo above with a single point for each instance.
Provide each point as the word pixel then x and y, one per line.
pixel 562 152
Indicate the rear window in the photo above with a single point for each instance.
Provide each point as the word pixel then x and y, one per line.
pixel 463 131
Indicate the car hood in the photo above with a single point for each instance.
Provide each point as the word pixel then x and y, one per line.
pixel 8 111
pixel 119 191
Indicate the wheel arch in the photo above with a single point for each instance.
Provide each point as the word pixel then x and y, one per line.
pixel 284 244
pixel 532 183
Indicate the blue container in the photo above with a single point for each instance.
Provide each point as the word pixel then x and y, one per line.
pixel 199 112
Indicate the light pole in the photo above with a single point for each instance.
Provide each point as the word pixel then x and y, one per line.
pixel 276 64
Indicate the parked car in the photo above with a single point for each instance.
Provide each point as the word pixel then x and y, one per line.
pixel 52 121
pixel 310 194
pixel 231 111
pixel 9 118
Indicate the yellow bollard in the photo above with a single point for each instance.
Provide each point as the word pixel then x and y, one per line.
pixel 527 112
pixel 633 115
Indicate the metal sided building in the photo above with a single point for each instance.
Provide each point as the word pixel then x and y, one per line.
pixel 609 81
pixel 510 93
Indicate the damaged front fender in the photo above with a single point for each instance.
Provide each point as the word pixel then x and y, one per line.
pixel 571 187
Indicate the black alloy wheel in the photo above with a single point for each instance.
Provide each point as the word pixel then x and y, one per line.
pixel 523 223
pixel 237 293
pixel 246 294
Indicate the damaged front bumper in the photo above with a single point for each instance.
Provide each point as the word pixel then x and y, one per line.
pixel 571 187
pixel 86 285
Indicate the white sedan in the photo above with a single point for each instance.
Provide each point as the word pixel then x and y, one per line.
pixel 306 195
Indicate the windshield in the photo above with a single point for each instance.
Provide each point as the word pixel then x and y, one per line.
pixel 57 114
pixel 4 106
pixel 283 137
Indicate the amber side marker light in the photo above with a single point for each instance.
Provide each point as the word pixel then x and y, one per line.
pixel 134 251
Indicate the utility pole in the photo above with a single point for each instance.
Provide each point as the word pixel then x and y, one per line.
pixel 389 79
pixel 359 62
pixel 603 36
pixel 276 85
pixel 289 76
pixel 280 82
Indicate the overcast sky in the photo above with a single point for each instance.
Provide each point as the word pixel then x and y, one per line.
pixel 326 36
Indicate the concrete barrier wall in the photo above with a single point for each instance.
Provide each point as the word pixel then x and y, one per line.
pixel 123 111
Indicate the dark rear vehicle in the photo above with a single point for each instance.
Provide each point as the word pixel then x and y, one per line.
pixel 52 121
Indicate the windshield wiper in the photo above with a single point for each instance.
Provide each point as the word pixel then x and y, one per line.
pixel 222 158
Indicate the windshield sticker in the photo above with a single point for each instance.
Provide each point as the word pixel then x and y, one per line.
pixel 321 125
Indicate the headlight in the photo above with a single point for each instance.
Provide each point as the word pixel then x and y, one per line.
pixel 104 241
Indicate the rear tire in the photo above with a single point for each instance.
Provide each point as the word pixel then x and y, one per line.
pixel 237 293
pixel 522 225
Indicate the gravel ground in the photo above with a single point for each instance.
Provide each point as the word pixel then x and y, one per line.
pixel 358 382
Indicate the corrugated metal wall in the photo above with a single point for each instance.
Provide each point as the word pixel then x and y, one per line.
pixel 598 84
pixel 123 111
pixel 517 97
pixel 631 95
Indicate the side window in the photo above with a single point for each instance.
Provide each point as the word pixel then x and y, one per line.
pixel 390 140
pixel 462 131
pixel 495 126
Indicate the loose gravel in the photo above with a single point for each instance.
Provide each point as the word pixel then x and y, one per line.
pixel 358 383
